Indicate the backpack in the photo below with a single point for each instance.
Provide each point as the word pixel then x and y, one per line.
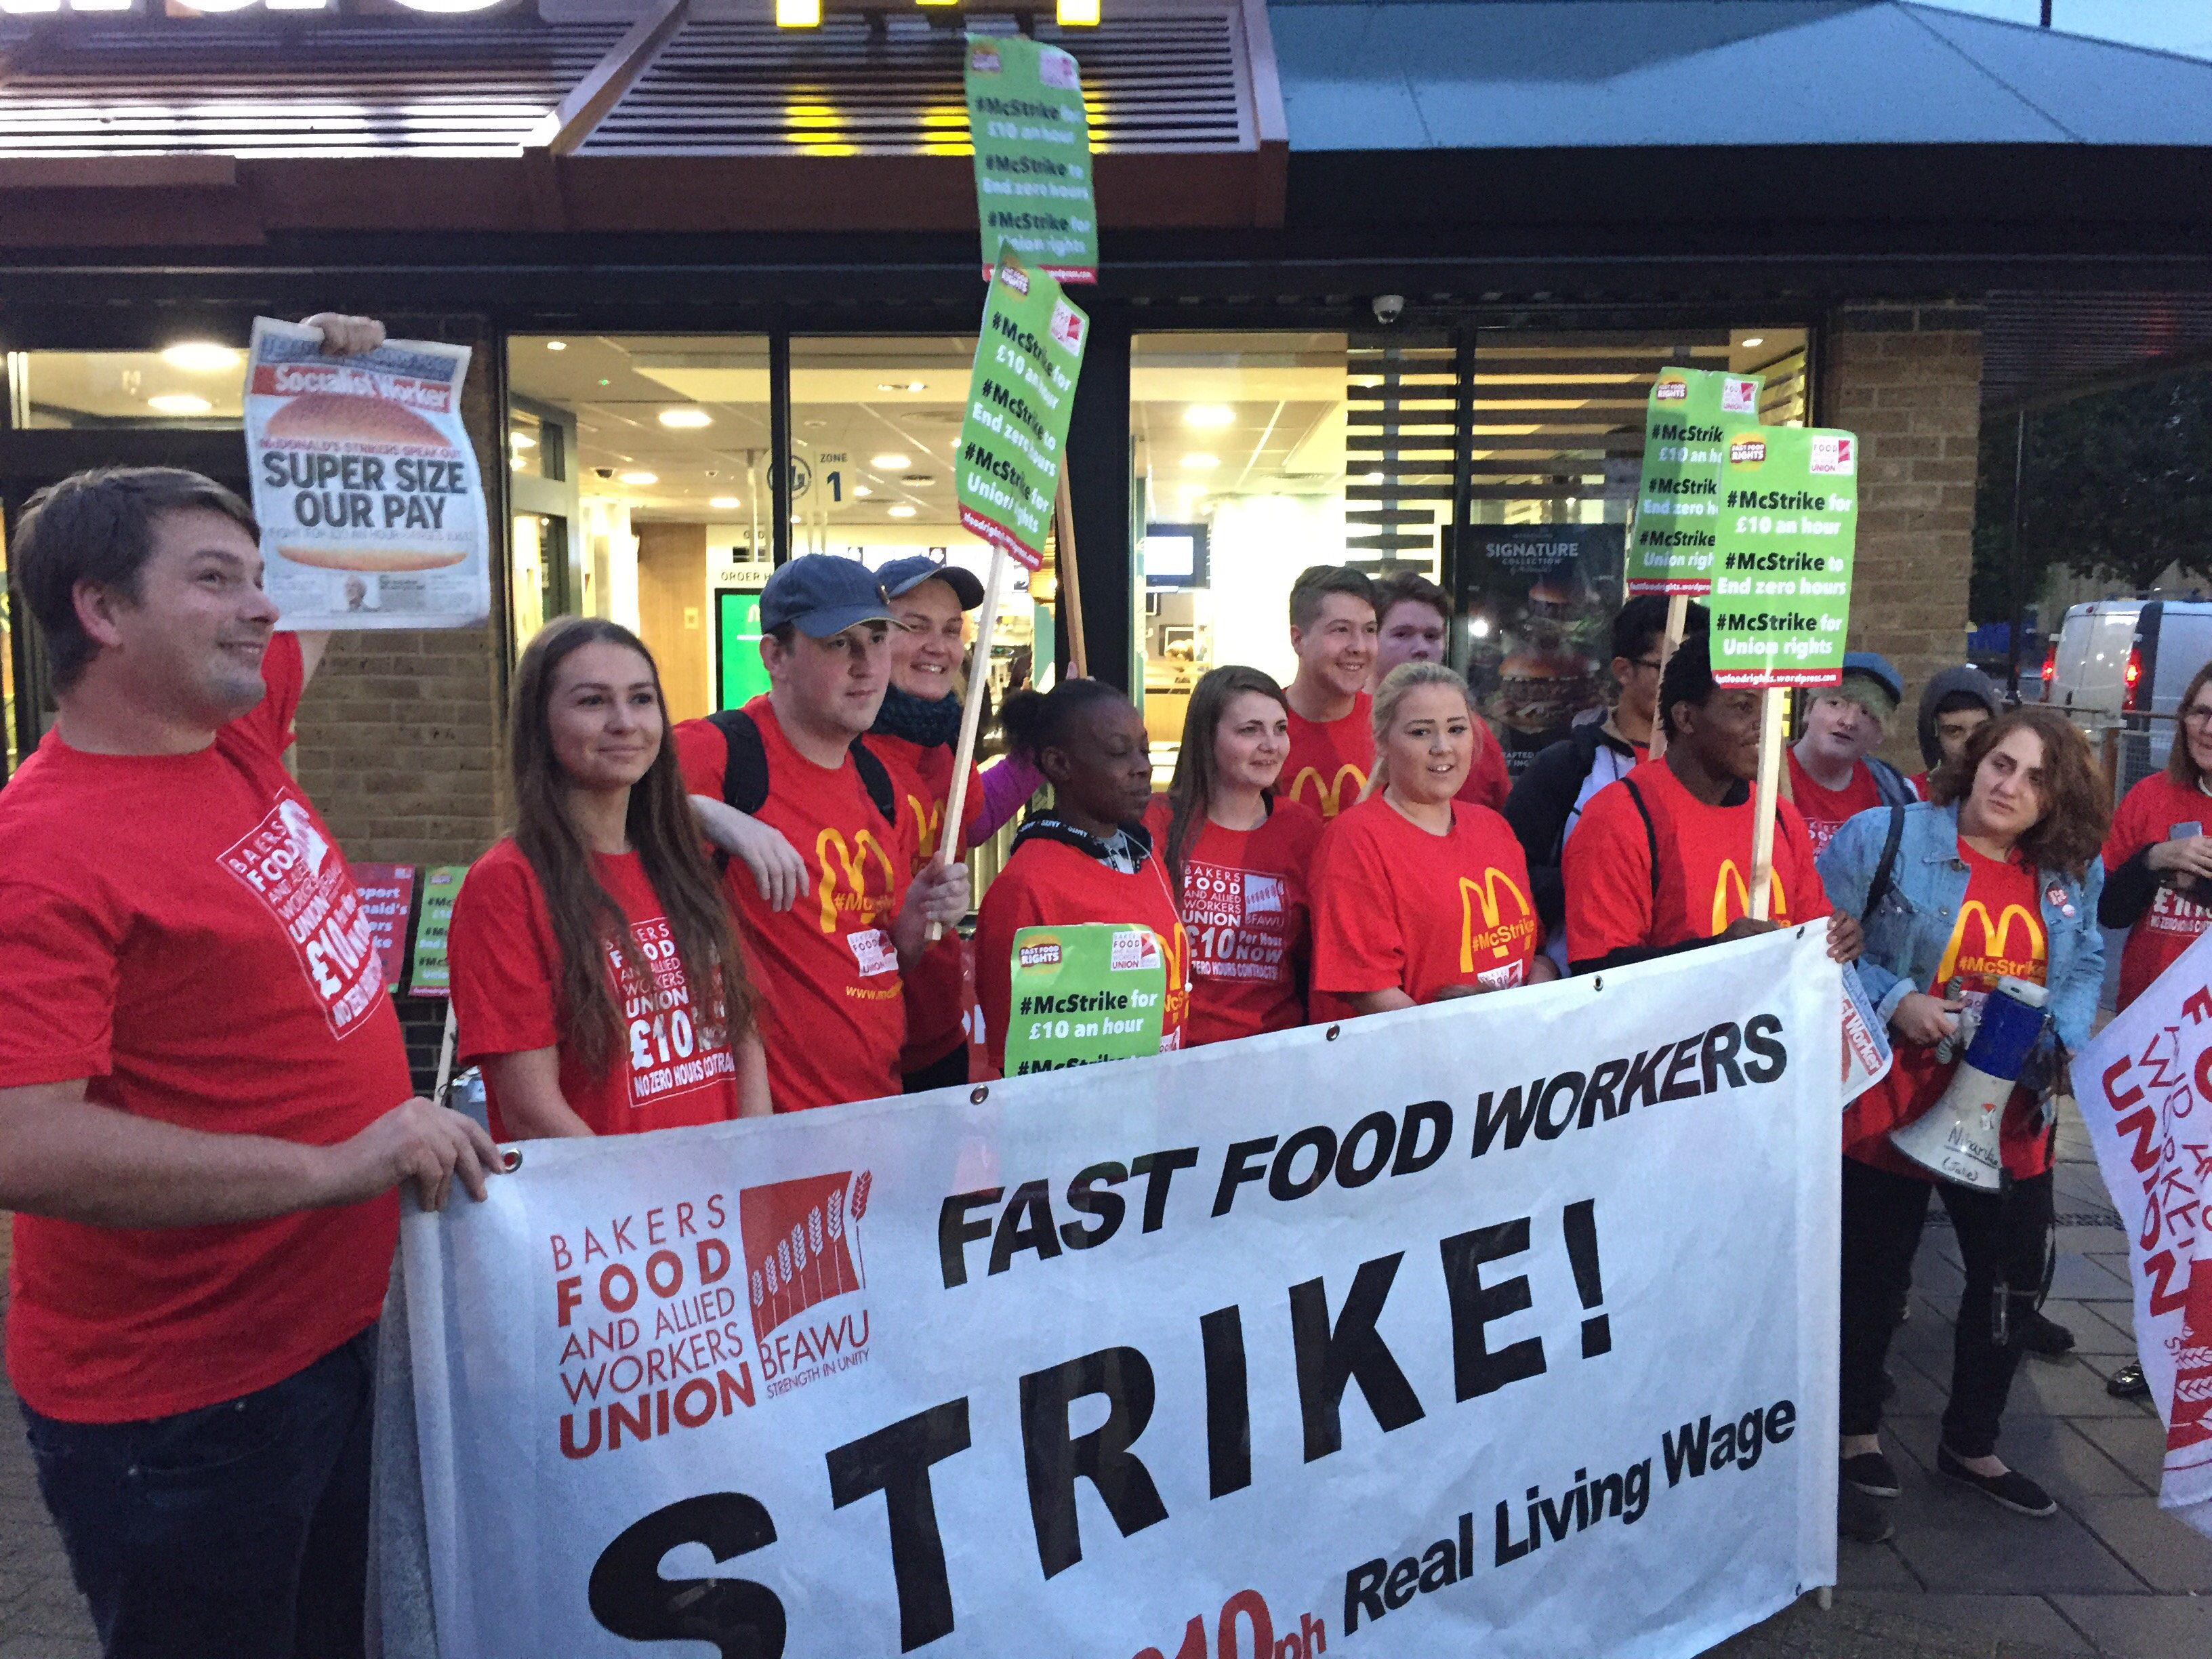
pixel 744 770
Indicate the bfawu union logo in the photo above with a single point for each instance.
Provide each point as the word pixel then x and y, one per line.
pixel 802 1255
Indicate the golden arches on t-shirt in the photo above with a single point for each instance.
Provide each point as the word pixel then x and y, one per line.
pixel 1484 894
pixel 1328 797
pixel 1779 904
pixel 853 861
pixel 1995 937
pixel 928 819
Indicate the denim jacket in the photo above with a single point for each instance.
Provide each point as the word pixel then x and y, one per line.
pixel 1906 935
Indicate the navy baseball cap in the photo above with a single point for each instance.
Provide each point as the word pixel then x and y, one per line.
pixel 823 594
pixel 902 576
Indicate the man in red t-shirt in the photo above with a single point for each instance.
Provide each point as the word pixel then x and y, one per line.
pixel 1414 624
pixel 1831 776
pixel 1333 629
pixel 1693 810
pixel 828 967
pixel 203 1096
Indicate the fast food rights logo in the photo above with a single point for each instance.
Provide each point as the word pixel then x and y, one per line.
pixel 802 1249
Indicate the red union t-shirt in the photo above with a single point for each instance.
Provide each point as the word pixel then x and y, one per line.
pixel 1396 908
pixel 180 931
pixel 832 1015
pixel 1246 907
pixel 2171 924
pixel 675 1067
pixel 1998 935
pixel 1705 868
pixel 1826 810
pixel 1330 760
pixel 936 995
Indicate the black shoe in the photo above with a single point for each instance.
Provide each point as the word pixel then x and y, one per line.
pixel 2012 1490
pixel 2045 1338
pixel 1860 1519
pixel 1872 1473
pixel 2129 1383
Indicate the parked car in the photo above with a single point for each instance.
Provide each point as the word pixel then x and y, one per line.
pixel 2116 663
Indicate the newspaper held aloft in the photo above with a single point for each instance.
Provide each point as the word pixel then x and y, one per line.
pixel 371 505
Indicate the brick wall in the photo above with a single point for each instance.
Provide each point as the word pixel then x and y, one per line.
pixel 400 733
pixel 1908 380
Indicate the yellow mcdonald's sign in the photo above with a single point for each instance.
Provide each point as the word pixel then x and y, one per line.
pixel 1996 955
pixel 1329 799
pixel 1723 912
pixel 1493 936
pixel 853 863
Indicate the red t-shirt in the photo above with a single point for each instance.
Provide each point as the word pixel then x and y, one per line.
pixel 1488 783
pixel 1246 906
pixel 1705 868
pixel 1999 933
pixel 181 931
pixel 832 1015
pixel 2171 924
pixel 1395 907
pixel 1330 760
pixel 1919 783
pixel 674 1067
pixel 1049 884
pixel 936 999
pixel 1826 810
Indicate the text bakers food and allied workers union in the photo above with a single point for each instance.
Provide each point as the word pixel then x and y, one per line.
pixel 371 504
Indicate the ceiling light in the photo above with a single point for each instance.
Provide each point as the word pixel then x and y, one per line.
pixel 902 510
pixel 1076 14
pixel 723 503
pixel 1754 339
pixel 799 14
pixel 522 440
pixel 1208 415
pixel 561 345
pixel 862 489
pixel 900 385
pixel 891 463
pixel 1202 463
pixel 201 357
pixel 686 417
pixel 178 403
pixel 920 480
pixel 638 478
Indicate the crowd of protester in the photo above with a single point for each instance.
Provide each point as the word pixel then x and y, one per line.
pixel 204 1116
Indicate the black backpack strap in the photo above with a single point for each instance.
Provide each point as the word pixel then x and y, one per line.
pixel 1651 833
pixel 876 778
pixel 744 769
pixel 1878 889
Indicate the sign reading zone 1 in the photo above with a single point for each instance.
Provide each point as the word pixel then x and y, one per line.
pixel 1678 501
pixel 1020 395
pixel 1032 138
pixel 1782 598
pixel 1084 995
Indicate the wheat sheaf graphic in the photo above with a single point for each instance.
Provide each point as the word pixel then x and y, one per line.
pixel 801 1232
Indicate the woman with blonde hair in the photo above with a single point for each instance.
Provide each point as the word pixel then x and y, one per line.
pixel 1420 896
pixel 1238 856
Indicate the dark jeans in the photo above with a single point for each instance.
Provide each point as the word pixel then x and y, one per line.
pixel 2003 1237
pixel 238 1531
pixel 943 1073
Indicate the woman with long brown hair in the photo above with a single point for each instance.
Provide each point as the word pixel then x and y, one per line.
pixel 1237 856
pixel 1996 878
pixel 595 977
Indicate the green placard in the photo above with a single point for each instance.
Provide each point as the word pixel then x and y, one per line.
pixel 429 975
pixel 1678 510
pixel 1032 138
pixel 1782 598
pixel 743 676
pixel 1020 394
pixel 1084 995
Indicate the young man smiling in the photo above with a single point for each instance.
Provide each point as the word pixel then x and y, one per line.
pixel 1333 629
pixel 1831 776
pixel 792 766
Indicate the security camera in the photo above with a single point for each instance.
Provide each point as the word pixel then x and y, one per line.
pixel 602 471
pixel 1389 307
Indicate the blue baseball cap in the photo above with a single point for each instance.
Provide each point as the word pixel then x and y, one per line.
pixel 823 594
pixel 902 576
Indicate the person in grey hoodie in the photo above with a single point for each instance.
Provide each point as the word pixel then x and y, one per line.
pixel 1957 701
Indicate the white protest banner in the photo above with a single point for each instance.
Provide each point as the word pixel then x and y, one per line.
pixel 371 505
pixel 2144 1088
pixel 1504 1326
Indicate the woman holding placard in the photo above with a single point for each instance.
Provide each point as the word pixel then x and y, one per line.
pixel 595 978
pixel 1088 860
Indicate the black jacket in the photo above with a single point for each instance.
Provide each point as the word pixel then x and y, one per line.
pixel 1543 803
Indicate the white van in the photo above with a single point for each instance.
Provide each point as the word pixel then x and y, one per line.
pixel 2118 661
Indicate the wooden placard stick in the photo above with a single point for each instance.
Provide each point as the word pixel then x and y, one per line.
pixel 1678 621
pixel 971 718
pixel 1770 781
pixel 1065 574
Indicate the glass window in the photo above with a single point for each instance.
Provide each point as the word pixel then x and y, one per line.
pixel 194 383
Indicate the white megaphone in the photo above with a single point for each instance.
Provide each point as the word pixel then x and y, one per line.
pixel 1957 1137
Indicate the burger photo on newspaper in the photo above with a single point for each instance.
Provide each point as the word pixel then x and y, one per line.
pixel 369 463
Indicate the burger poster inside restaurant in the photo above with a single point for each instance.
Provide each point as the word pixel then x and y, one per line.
pixel 1538 601
pixel 371 505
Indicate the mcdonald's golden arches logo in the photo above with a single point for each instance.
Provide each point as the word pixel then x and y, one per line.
pixel 1329 799
pixel 1731 876
pixel 1996 956
pixel 928 819
pixel 836 857
pixel 1498 934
